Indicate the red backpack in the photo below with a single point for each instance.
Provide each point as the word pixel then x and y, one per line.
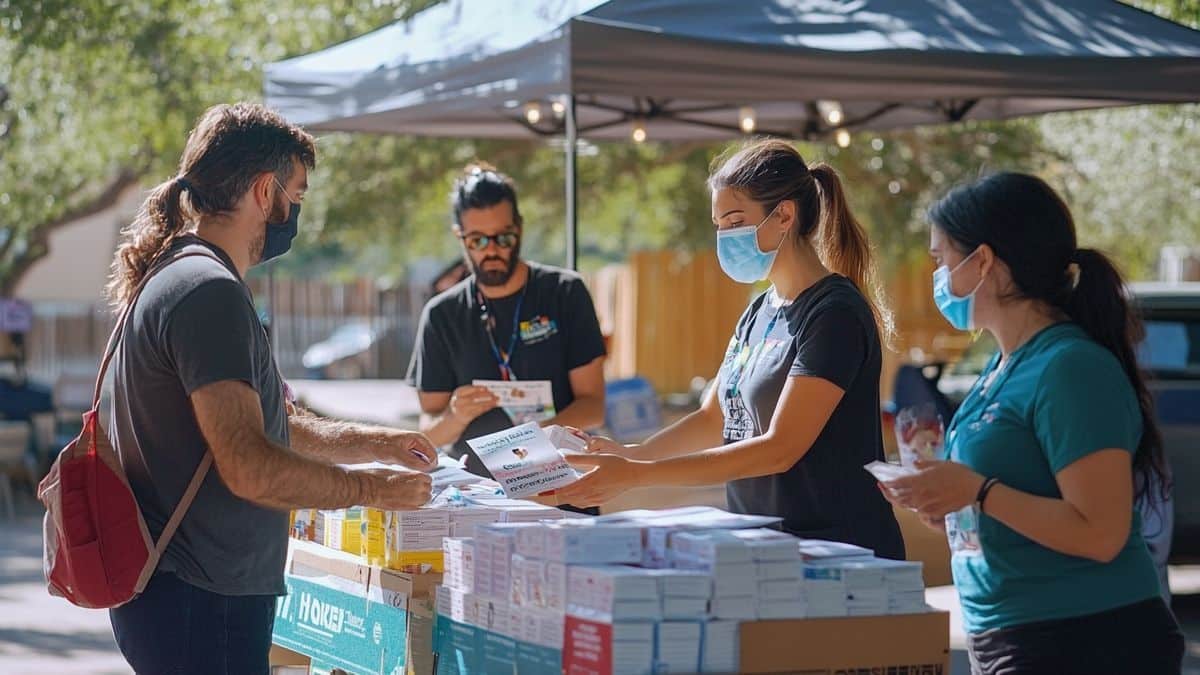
pixel 98 551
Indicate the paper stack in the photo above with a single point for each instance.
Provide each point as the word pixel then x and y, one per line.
pixel 677 647
pixel 613 592
pixel 720 644
pixel 779 572
pixel 729 560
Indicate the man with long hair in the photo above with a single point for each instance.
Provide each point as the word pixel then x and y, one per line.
pixel 194 373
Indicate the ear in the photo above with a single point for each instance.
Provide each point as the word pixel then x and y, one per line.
pixel 263 190
pixel 987 259
pixel 786 213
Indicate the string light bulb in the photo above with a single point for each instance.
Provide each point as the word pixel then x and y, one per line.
pixel 832 112
pixel 747 119
pixel 843 138
pixel 559 109
pixel 639 131
pixel 533 112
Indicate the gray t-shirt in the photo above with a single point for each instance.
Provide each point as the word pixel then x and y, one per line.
pixel 828 332
pixel 194 325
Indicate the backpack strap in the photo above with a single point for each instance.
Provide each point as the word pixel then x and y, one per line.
pixel 189 495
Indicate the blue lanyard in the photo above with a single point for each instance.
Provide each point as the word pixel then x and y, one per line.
pixel 503 358
pixel 744 357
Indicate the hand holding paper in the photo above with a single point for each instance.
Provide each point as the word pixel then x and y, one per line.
pixel 523 460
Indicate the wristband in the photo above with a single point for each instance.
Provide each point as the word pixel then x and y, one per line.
pixel 984 490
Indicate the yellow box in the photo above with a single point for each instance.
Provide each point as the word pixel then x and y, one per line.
pixel 374 543
pixel 342 530
pixel 415 562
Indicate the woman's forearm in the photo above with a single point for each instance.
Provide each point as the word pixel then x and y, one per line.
pixel 1056 524
pixel 697 431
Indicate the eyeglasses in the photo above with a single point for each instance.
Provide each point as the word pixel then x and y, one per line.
pixel 478 242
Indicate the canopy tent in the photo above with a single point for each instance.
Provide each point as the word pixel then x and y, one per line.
pixel 708 69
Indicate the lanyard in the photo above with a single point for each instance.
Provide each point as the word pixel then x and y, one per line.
pixel 744 355
pixel 503 358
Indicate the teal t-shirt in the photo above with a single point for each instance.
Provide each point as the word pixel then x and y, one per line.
pixel 1061 397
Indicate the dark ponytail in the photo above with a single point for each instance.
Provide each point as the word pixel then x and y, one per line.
pixel 158 222
pixel 1030 228
pixel 1099 305
pixel 231 147
pixel 771 171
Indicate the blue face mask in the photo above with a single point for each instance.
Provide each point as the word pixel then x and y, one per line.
pixel 739 255
pixel 959 311
pixel 280 235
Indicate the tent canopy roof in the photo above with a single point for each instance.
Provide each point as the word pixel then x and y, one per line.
pixel 686 68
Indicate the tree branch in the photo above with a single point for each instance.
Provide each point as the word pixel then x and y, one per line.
pixel 38 239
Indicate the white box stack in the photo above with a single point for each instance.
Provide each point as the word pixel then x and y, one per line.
pixel 617 592
pixel 459 561
pixel 779 572
pixel 727 558
pixel 677 647
pixel 720 648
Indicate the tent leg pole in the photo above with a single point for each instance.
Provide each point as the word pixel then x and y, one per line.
pixel 572 186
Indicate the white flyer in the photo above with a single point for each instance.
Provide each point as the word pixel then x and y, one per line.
pixel 523 460
pixel 886 471
pixel 524 401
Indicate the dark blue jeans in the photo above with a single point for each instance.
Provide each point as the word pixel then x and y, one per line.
pixel 174 628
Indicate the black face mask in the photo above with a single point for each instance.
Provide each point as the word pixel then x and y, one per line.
pixel 280 235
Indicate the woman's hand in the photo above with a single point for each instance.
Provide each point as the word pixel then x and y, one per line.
pixel 938 488
pixel 601 445
pixel 610 476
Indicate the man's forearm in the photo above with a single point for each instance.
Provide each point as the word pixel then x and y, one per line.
pixel 337 442
pixel 276 477
pixel 584 413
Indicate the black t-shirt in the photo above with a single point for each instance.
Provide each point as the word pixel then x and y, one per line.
pixel 558 331
pixel 193 325
pixel 828 332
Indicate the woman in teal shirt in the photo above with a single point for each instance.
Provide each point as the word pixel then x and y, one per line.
pixel 1049 450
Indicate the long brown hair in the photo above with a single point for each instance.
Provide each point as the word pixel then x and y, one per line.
pixel 771 171
pixel 230 147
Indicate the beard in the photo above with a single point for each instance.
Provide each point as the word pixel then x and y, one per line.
pixel 492 276
pixel 278 214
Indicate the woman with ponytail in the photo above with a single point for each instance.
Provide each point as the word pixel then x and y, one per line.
pixel 1050 451
pixel 794 415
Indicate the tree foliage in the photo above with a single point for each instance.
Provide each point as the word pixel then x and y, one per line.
pixel 98 95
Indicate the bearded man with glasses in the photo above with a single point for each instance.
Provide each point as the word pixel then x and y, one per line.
pixel 510 320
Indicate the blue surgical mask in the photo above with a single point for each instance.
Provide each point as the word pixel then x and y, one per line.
pixel 280 235
pixel 740 256
pixel 959 311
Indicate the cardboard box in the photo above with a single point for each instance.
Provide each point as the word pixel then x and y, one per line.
pixel 918 643
pixel 346 614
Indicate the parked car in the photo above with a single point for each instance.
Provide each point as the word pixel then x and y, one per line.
pixel 1170 354
pixel 344 355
